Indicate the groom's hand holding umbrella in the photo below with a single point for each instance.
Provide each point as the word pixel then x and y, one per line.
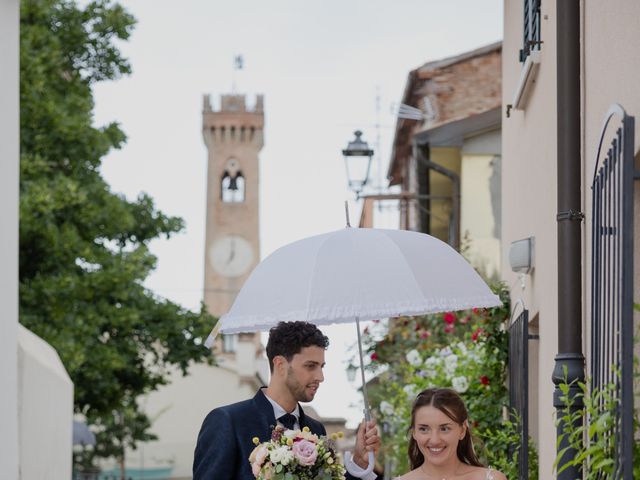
pixel 367 440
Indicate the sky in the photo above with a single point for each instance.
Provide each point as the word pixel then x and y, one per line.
pixel 326 68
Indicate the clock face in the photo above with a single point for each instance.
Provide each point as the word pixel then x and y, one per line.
pixel 231 256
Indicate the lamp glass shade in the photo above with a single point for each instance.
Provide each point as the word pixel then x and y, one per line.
pixel 357 159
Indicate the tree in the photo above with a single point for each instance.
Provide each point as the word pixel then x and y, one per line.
pixel 83 249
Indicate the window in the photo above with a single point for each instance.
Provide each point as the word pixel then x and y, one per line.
pixel 232 183
pixel 232 187
pixel 531 31
pixel 229 343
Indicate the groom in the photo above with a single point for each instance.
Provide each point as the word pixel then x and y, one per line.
pixel 296 358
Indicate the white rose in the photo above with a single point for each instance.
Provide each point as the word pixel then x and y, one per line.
pixel 460 384
pixel 413 357
pixel 445 352
pixel 281 455
pixel 451 363
pixel 431 364
pixel 386 408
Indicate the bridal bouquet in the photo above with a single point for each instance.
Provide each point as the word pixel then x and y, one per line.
pixel 296 455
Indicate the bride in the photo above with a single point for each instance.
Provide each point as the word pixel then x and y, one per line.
pixel 440 447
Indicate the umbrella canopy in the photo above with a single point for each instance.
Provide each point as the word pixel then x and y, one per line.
pixel 351 275
pixel 354 273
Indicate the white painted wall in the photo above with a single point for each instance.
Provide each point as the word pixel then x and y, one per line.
pixel 178 409
pixel 45 411
pixel 9 146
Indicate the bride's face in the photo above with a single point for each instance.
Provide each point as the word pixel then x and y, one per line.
pixel 437 435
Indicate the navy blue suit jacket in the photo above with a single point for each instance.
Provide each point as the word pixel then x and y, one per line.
pixel 224 443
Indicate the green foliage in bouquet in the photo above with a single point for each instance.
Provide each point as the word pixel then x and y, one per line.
pixel 466 351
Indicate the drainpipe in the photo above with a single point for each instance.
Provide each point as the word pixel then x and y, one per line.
pixel 569 363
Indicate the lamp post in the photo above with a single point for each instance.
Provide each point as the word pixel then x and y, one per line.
pixel 357 159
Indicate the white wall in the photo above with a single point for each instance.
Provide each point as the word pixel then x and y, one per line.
pixel 9 127
pixel 45 411
pixel 178 409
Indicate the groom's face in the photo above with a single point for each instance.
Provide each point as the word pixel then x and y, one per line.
pixel 304 373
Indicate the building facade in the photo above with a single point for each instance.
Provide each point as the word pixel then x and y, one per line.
pixel 447 154
pixel 609 57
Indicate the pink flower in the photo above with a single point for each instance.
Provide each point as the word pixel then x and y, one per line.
pixel 257 458
pixel 449 318
pixel 259 454
pixel 484 380
pixel 374 356
pixel 466 319
pixel 425 334
pixel 449 329
pixel 475 310
pixel 305 452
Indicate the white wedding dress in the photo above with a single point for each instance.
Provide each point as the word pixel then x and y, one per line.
pixel 488 477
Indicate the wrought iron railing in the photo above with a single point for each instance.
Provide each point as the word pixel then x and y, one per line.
pixel 519 387
pixel 531 30
pixel 612 280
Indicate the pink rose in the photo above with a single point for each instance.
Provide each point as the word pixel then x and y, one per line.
pixel 258 455
pixel 305 452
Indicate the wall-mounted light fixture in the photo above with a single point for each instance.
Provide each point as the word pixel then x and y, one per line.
pixel 521 255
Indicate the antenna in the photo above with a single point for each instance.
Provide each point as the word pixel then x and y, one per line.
pixel 238 64
pixel 378 184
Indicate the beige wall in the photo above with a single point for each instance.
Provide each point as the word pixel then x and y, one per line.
pixel 610 59
pixel 9 125
pixel 612 67
pixel 529 206
pixel 480 202
pixel 45 412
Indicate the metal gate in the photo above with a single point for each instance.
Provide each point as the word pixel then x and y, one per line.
pixel 519 388
pixel 612 280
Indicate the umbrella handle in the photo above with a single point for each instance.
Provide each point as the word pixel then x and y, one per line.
pixel 360 473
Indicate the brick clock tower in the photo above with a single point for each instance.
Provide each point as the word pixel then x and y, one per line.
pixel 234 137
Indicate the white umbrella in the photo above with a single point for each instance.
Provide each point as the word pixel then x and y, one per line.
pixel 355 274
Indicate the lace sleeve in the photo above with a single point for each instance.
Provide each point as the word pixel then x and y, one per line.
pixel 490 474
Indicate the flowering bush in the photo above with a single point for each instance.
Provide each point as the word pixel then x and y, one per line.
pixel 296 455
pixel 466 351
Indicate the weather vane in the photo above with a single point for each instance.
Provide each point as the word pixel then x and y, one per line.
pixel 238 64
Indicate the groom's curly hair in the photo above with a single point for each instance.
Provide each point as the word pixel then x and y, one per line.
pixel 288 338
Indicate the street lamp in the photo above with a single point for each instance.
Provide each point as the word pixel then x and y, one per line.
pixel 357 158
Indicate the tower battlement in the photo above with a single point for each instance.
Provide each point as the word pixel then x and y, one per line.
pixel 235 103
pixel 235 122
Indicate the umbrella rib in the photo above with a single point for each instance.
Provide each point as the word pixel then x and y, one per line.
pixel 404 259
pixel 313 269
